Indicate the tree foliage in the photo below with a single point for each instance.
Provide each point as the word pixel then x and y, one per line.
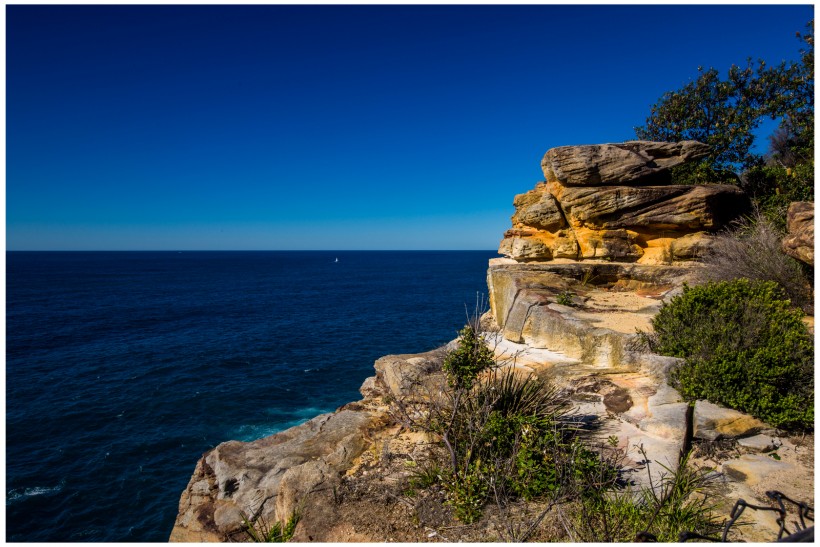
pixel 724 112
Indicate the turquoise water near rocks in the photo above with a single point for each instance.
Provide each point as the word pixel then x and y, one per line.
pixel 122 368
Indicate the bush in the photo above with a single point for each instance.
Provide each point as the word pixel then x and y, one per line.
pixel 753 251
pixel 678 501
pixel 471 357
pixel 507 439
pixel 745 347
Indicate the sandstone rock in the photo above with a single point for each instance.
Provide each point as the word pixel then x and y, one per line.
pixel 405 375
pixel 538 209
pixel 523 300
pixel 799 243
pixel 690 245
pixel 754 469
pixel 713 422
pixel 369 388
pixel 609 201
pixel 633 162
pixel 527 245
pixel 760 443
pixel 298 482
pixel 245 478
pixel 608 244
pixel 525 248
pixel 674 208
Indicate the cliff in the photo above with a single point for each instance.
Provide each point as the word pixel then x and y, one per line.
pixel 594 251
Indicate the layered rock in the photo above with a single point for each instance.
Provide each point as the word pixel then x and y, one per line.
pixel 631 162
pixel 799 243
pixel 611 202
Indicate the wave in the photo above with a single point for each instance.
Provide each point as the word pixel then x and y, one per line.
pixel 17 494
pixel 252 432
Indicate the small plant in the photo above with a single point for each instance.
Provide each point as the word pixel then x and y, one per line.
pixel 676 502
pixel 425 476
pixel 259 531
pixel 590 274
pixel 745 347
pixel 467 492
pixel 565 298
pixel 463 364
pixel 668 253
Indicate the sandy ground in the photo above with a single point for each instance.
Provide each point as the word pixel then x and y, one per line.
pixel 623 312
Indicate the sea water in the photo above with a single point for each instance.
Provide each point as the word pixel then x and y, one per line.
pixel 122 368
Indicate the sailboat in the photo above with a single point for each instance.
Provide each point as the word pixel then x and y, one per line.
pixel 337 260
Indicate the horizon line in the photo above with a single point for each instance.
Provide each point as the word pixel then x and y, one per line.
pixel 249 250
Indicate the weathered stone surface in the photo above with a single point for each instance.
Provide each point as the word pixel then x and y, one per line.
pixel 237 478
pixel 799 243
pixel 523 299
pixel 674 208
pixel 712 422
pixel 406 375
pixel 760 443
pixel 633 162
pixel 754 469
pixel 538 209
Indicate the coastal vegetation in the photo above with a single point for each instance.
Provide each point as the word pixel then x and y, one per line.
pixel 724 112
pixel 508 439
pixel 752 249
pixel 258 530
pixel 745 347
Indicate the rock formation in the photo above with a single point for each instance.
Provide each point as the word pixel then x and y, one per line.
pixel 613 202
pixel 799 243
pixel 632 162
pixel 565 317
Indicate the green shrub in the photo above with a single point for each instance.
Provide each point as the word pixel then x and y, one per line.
pixel 745 347
pixel 463 364
pixel 509 440
pixel 565 298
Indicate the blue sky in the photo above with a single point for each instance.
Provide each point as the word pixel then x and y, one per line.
pixel 330 127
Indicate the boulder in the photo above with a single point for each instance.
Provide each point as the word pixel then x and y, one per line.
pixel 713 422
pixel 538 245
pixel 799 243
pixel 633 162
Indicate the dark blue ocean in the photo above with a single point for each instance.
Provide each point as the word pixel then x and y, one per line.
pixel 122 368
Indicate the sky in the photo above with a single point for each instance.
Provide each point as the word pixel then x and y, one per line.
pixel 275 127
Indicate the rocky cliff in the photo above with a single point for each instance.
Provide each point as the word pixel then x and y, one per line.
pixel 594 251
pixel 615 202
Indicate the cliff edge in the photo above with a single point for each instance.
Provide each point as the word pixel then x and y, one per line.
pixel 593 252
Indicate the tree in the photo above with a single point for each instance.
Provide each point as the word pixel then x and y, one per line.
pixel 723 113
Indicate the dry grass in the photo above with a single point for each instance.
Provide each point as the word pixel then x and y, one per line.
pixel 752 250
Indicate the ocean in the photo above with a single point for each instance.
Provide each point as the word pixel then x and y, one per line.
pixel 122 368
